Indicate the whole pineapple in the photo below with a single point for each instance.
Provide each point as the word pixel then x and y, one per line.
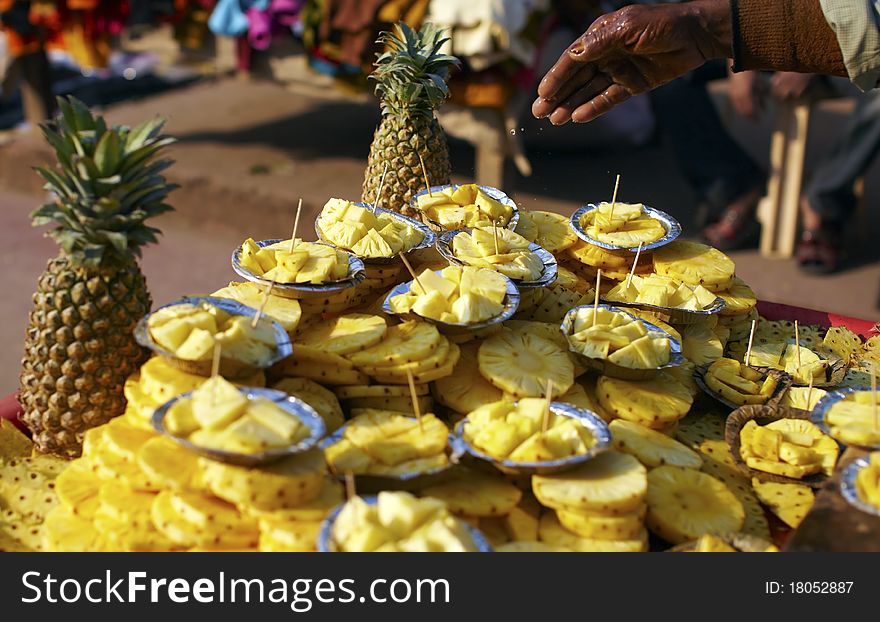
pixel 410 83
pixel 79 347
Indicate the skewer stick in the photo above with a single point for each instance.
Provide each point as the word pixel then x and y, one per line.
pixel 299 207
pixel 874 396
pixel 749 349
pixel 495 235
pixel 548 398
pixel 215 371
pixel 635 263
pixel 614 198
pixel 596 302
pixel 379 191
pixel 350 492
pixel 425 175
pixel 259 314
pixel 412 273
pixel 810 394
pixel 415 399
pixel 797 343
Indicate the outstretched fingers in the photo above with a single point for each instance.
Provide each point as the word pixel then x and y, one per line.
pixel 613 96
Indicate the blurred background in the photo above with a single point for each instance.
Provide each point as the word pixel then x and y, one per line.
pixel 270 101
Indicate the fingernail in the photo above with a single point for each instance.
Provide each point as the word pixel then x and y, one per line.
pixel 576 49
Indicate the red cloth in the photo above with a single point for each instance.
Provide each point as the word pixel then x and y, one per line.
pixel 776 311
pixel 10 409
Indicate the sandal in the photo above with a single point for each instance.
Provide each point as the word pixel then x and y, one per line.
pixel 736 227
pixel 819 251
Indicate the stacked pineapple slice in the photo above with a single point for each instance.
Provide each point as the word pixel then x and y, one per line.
pixel 465 206
pixel 502 250
pixel 364 232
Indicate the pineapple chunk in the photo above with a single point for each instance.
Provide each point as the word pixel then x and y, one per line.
pixel 404 514
pixel 494 209
pixel 198 346
pixel 266 258
pixel 471 308
pixel 372 245
pixel 431 305
pixel 431 281
pixel 433 201
pixel 466 194
pixel 345 234
pixel 179 420
pixel 217 403
pixel 172 333
pixel 485 283
pixel 765 443
pixel 361 215
pixel 285 425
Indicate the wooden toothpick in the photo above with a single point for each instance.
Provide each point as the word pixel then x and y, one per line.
pixel 215 370
pixel 263 303
pixel 797 344
pixel 874 396
pixel 547 399
pixel 749 349
pixel 425 174
pixel 810 394
pixel 412 273
pixel 350 492
pixel 635 263
pixel 495 235
pixel 415 399
pixel 299 207
pixel 379 191
pixel 614 198
pixel 596 302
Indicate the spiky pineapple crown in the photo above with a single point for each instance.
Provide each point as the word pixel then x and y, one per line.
pixel 106 185
pixel 411 74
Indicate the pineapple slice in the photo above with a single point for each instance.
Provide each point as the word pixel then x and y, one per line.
pixel 346 334
pixel 172 334
pixel 738 298
pixel 612 483
pixel 684 504
pixel 553 230
pixel 466 390
pixel 790 502
pixel 652 448
pixel 700 345
pixel 466 194
pixel 654 403
pixel 708 543
pixel 430 281
pixel 217 403
pixel 198 346
pixel 494 209
pixel 553 534
pixel 601 527
pixel 521 364
pixel 471 308
pixel 475 493
pixel 346 234
pixel 695 264
pixel 372 245
pixel 285 311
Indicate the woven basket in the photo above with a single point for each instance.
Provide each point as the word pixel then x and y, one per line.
pixel 762 415
pixel 783 383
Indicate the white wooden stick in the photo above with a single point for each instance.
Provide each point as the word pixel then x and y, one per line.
pixel 350 492
pixel 635 263
pixel 415 399
pixel 412 273
pixel 614 198
pixel 547 399
pixel 215 362
pixel 299 207
pixel 810 394
pixel 379 191
pixel 596 302
pixel 495 235
pixel 749 349
pixel 425 174
pixel 263 303
pixel 797 343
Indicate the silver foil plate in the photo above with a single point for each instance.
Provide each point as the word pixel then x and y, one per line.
pixel 672 226
pixel 356 275
pixel 232 368
pixel 511 304
pixel 292 405
pixel 548 276
pixel 326 543
pixel 590 420
pixel 495 193
pixel 613 370
pixel 429 238
pixel 828 400
pixel 848 489
pixel 676 316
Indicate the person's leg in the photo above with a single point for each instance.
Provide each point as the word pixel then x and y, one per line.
pixel 829 198
pixel 717 168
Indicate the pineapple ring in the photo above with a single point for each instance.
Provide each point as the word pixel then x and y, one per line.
pixel 695 264
pixel 331 495
pixel 738 298
pixel 68 533
pixel 522 363
pixel 554 231
pixel 611 483
pixel 387 376
pixel 178 528
pixel 650 447
pixel 684 504
pixel 77 488
pixel 322 373
pixel 404 343
pixel 378 390
pixel 287 483
pixel 437 359
pixel 474 493
pixel 465 390
pixel 294 537
pixel 551 532
pixel 167 463
pixel 598 527
pixel 345 334
pixel 318 397
pixel 598 257
pixel 653 403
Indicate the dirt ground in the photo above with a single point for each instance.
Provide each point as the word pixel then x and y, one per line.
pixel 248 151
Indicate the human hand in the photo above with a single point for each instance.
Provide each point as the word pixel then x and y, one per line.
pixel 790 85
pixel 744 94
pixel 631 51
